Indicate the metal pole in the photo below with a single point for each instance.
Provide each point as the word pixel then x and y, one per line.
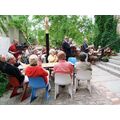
pixel 47 46
pixel 47 37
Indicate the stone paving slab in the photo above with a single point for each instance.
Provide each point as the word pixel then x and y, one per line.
pixel 107 84
pixel 105 91
pixel 82 97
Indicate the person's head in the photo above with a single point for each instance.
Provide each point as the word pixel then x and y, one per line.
pixel 11 59
pixel 15 41
pixel 66 38
pixel 52 51
pixel 82 57
pixel 70 40
pixel 85 40
pixel 25 47
pixel 33 60
pixel 2 58
pixel 61 55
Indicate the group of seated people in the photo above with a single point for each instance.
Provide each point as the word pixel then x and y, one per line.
pixel 32 59
pixel 96 55
pixel 9 66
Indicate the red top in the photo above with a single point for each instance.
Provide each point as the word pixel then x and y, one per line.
pixel 14 49
pixel 63 67
pixel 36 71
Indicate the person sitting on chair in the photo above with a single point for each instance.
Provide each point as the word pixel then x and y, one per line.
pixel 10 69
pixel 81 64
pixel 63 66
pixel 35 70
pixel 14 50
pixel 52 56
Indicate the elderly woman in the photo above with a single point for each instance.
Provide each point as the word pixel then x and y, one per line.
pixel 35 70
pixel 82 64
pixel 52 57
pixel 63 66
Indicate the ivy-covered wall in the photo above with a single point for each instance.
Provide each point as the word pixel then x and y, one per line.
pixel 106 32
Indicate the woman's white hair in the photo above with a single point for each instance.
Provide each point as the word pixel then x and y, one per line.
pixel 33 59
pixel 9 56
pixel 52 51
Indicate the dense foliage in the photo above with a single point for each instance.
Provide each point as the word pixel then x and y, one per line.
pixel 76 27
pixel 32 27
pixel 106 31
pixel 3 83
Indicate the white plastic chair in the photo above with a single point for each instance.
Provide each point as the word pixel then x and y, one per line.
pixel 63 79
pixel 83 75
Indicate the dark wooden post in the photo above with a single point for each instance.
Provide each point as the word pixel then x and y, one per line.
pixel 47 37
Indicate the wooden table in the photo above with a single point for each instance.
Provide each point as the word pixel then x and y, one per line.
pixel 48 65
pixel 44 65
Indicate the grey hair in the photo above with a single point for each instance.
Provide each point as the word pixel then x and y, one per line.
pixel 52 51
pixel 33 59
pixel 9 56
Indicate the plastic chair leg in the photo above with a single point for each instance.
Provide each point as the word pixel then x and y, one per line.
pixel 70 90
pixel 89 86
pixel 33 96
pixel 9 87
pixel 56 91
pixel 76 85
pixel 14 92
pixel 25 95
pixel 47 93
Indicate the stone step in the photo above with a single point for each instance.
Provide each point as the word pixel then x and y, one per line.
pixel 115 57
pixel 117 62
pixel 108 69
pixel 111 65
pixel 118 54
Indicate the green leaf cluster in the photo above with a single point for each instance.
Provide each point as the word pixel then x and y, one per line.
pixel 75 26
pixel 106 31
pixel 3 83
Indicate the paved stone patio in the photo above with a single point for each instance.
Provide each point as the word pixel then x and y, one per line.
pixel 105 91
pixel 82 97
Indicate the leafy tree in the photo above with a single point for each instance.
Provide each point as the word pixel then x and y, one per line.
pixel 106 35
pixel 74 26
pixel 4 24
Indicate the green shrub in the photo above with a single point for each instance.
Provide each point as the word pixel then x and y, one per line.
pixel 3 83
pixel 105 59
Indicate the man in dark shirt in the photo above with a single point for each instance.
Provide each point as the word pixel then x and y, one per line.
pixel 9 68
pixel 66 47
pixel 85 46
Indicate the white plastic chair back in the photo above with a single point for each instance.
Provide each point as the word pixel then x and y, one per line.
pixel 62 79
pixel 84 75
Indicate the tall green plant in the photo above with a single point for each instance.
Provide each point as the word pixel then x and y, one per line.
pixel 106 35
pixel 74 26
pixel 3 83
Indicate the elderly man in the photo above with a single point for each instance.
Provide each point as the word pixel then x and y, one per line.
pixel 66 47
pixel 13 49
pixel 2 62
pixel 10 69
